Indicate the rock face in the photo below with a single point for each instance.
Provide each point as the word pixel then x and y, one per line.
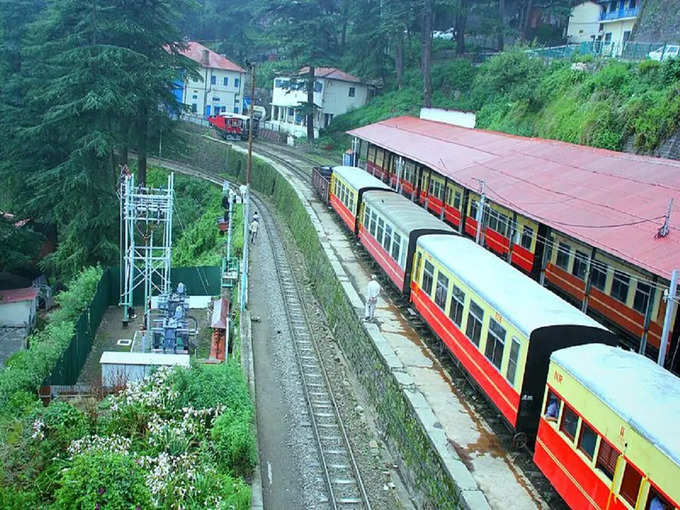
pixel 659 21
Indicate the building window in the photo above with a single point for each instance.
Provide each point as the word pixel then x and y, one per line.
pixel 216 99
pixel 642 293
pixel 213 80
pixel 474 323
pixel 612 6
pixel 563 256
pixel 630 484
pixel 441 293
pixel 598 278
pixel 318 86
pixel 194 108
pixel 457 305
pixel 587 440
pixel 632 4
pixel 237 83
pixel 352 92
pixel 569 422
pixel 580 264
pixel 194 96
pixel 428 276
pixel 225 81
pixel 495 343
pixel 620 285
pixel 277 83
pixel 512 361
pixel 606 459
pixel 527 237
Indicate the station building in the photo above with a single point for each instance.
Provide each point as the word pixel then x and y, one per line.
pixel 220 89
pixel 594 225
pixel 335 92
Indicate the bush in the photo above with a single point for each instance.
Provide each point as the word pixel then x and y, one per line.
pixel 234 442
pixel 103 480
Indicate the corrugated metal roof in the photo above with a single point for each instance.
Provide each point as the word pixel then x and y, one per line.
pixel 404 214
pixel 143 358
pixel 16 295
pixel 611 200
pixel 331 73
pixel 215 61
pixel 521 300
pixel 625 381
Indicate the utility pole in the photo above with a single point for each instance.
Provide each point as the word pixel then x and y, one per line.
pixel 480 212
pixel 671 300
pixel 245 194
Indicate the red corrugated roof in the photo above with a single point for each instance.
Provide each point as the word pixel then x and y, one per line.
pixel 16 295
pixel 331 73
pixel 612 200
pixel 215 61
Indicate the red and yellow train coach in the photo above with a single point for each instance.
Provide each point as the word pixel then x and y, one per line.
pixel 608 436
pixel 500 324
pixel 389 228
pixel 348 184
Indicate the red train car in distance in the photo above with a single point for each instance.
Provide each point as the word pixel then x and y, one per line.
pixel 232 126
pixel 389 228
pixel 608 437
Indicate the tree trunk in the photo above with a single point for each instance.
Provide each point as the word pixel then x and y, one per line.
pixel 310 104
pixel 399 59
pixel 524 29
pixel 427 53
pixel 461 22
pixel 501 25
pixel 143 135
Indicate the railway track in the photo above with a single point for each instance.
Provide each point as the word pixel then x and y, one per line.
pixel 338 466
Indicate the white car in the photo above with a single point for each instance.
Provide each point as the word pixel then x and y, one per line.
pixel 665 52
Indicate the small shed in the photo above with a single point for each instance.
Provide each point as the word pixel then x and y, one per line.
pixel 119 368
pixel 18 307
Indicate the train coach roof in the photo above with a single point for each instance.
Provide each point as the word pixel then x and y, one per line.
pixel 645 395
pixel 517 297
pixel 404 214
pixel 358 178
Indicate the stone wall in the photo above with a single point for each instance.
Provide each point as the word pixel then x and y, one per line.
pixel 659 21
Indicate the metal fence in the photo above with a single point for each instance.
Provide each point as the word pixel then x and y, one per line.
pixel 632 51
pixel 203 280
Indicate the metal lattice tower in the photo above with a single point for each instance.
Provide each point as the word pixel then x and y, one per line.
pixel 146 242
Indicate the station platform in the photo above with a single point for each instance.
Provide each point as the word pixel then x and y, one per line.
pixel 483 469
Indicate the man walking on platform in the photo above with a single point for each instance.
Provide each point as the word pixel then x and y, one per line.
pixel 253 230
pixel 372 293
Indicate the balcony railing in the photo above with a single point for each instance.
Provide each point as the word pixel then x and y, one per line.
pixel 619 14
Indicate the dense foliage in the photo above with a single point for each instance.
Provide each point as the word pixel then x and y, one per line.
pixel 604 105
pixel 181 438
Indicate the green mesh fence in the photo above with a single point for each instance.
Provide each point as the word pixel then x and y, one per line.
pixel 197 280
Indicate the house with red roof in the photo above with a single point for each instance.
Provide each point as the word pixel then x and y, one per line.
pixel 18 307
pixel 335 92
pixel 220 87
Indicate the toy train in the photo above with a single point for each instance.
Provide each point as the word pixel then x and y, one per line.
pixel 509 333
pixel 232 126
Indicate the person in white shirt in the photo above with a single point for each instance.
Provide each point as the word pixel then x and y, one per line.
pixel 372 293
pixel 253 231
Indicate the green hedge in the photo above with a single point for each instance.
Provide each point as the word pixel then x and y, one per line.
pixel 26 370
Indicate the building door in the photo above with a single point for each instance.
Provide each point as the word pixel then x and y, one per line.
pixel 207 110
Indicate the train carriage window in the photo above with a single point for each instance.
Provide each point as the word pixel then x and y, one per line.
pixel 428 276
pixel 396 247
pixel 512 361
pixel 580 264
pixel 379 157
pixel 441 294
pixel 351 202
pixel 642 293
pixel 606 459
pixel 630 484
pixel 367 216
pixel 495 343
pixel 527 237
pixel 474 323
pixel 381 230
pixel 620 286
pixel 656 501
pixel 457 305
pixel 457 200
pixel 563 256
pixel 587 440
pixel 371 154
pixel 569 422
pixel 387 241
pixel 552 407
pixel 374 220
pixel 598 275
pixel 473 209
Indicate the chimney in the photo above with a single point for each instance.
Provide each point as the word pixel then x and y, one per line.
pixel 205 58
